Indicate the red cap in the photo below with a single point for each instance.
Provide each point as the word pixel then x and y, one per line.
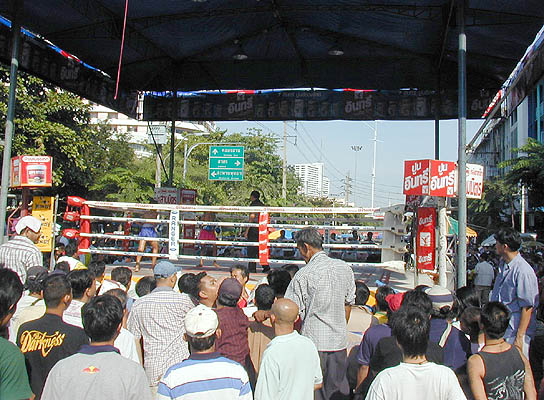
pixel 394 300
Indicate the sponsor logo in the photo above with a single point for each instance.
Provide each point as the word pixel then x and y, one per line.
pixel 91 370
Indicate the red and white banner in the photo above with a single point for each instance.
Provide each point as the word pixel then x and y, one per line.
pixel 263 238
pixel 475 181
pixel 425 241
pixel 416 177
pixel 443 180
pixel 439 178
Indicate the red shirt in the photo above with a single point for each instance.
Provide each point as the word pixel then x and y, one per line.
pixel 233 342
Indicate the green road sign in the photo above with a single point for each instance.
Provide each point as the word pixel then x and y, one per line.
pixel 226 163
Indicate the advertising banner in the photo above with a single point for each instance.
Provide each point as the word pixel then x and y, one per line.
pixel 425 242
pixel 263 238
pixel 31 171
pixel 311 105
pixel 416 177
pixel 443 180
pixel 439 178
pixel 43 209
pixel 475 181
pixel 173 235
pixel 46 61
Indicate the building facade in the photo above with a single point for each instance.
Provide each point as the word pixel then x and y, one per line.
pixel 137 130
pixel 313 182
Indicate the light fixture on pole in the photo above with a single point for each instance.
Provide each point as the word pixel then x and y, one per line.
pixel 356 149
pixel 239 53
pixel 373 175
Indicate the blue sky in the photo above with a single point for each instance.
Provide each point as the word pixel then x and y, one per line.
pixel 330 142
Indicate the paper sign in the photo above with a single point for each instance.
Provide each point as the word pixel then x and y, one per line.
pixel 43 209
pixel 475 181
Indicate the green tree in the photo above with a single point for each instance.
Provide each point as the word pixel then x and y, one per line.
pixel 49 121
pixel 528 170
pixel 495 207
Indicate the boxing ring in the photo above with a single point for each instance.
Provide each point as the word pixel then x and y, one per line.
pixel 178 219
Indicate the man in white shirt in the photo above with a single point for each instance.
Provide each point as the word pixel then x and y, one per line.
pixel 34 286
pixel 415 377
pixel 83 290
pixel 126 342
pixel 21 253
pixel 483 280
pixel 290 368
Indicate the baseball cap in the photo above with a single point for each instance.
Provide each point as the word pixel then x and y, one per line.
pixel 165 269
pixel 231 288
pixel 30 222
pixel 201 322
pixel 440 297
pixel 394 300
pixel 36 273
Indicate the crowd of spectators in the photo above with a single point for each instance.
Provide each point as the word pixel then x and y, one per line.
pixel 72 333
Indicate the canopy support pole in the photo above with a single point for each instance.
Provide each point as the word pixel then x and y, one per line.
pixel 10 116
pixel 462 138
pixel 172 144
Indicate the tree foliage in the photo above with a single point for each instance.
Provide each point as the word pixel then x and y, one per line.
pixel 495 207
pixel 528 170
pixel 97 163
pixel 49 121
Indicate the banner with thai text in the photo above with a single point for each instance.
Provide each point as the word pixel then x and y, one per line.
pixel 425 242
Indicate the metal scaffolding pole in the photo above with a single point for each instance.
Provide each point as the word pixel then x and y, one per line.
pixel 10 116
pixel 462 161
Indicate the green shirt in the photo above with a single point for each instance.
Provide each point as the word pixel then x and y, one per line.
pixel 13 377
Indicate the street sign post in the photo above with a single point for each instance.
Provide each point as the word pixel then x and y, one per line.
pixel 226 163
pixel 157 134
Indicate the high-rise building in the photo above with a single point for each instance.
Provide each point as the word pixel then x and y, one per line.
pixel 137 130
pixel 313 183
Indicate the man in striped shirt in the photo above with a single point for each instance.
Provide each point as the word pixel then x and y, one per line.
pixel 21 253
pixel 205 374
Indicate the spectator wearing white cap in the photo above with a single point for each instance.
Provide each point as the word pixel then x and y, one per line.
pixel 206 374
pixel 21 253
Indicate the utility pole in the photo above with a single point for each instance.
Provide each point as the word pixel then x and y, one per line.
pixel 158 167
pixel 375 140
pixel 356 149
pixel 10 115
pixel 347 189
pixel 523 209
pixel 284 177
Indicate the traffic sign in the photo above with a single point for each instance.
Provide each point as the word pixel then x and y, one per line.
pixel 157 134
pixel 226 163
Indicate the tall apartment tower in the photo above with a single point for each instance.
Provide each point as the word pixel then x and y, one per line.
pixel 313 183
